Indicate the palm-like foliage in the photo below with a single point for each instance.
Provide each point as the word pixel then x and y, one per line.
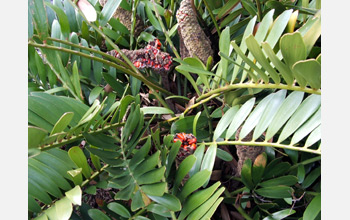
pixel 266 79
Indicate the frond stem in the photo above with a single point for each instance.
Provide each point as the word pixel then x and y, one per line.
pixel 77 137
pixel 228 88
pixel 268 144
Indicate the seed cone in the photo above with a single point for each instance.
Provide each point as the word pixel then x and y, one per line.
pixel 149 57
pixel 188 146
pixel 194 38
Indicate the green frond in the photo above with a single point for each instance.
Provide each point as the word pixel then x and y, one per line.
pixel 276 121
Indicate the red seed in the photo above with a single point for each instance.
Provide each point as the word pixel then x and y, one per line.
pixel 137 64
pixel 181 136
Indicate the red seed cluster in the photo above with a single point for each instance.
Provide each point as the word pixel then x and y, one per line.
pixel 189 141
pixel 148 57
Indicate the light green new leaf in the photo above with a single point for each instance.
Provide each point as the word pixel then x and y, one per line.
pixel 76 176
pixel 74 195
pixel 310 70
pixel 225 121
pixel 239 117
pixel 264 26
pixel 63 208
pixel 314 137
pixel 119 209
pixel 306 128
pixel 278 27
pixel 305 110
pixel 288 107
pixel 43 216
pixel 62 123
pixel 255 116
pixel 269 113
pixel 78 157
pixel 313 209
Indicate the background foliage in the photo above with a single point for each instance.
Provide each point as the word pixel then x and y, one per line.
pixel 96 153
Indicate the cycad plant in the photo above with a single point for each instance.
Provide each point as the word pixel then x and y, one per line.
pixel 112 86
